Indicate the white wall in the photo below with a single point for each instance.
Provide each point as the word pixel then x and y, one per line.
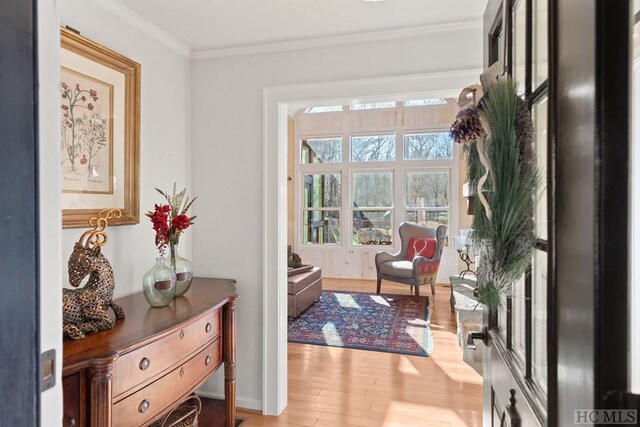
pixel 165 158
pixel 227 137
pixel 165 153
pixel 49 193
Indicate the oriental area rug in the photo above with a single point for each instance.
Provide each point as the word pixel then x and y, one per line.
pixel 378 322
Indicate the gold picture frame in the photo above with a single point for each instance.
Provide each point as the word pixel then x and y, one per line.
pixel 100 132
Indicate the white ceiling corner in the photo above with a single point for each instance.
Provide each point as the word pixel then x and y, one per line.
pixel 127 15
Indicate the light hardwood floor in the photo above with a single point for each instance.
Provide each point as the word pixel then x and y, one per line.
pixel 331 386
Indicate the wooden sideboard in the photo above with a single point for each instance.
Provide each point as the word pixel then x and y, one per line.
pixel 134 373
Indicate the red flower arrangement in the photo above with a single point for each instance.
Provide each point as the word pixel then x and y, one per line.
pixel 170 220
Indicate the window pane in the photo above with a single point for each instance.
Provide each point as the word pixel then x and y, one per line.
pixel 322 191
pixel 424 102
pixel 539 112
pixel 321 227
pixel 427 189
pixel 539 319
pixel 373 105
pixel 372 190
pixel 325 109
pixel 540 37
pixel 326 150
pixel 378 148
pixel 518 338
pixel 519 43
pixel 429 218
pixel 372 227
pixel 428 146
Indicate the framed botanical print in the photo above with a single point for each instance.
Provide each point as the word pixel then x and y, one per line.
pixel 100 132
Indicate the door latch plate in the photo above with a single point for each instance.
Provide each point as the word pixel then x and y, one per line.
pixel 47 370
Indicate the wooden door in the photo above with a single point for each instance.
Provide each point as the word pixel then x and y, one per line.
pixel 516 361
pixel 558 345
pixel 19 338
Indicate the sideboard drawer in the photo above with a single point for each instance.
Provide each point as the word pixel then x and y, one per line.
pixel 72 392
pixel 142 406
pixel 140 365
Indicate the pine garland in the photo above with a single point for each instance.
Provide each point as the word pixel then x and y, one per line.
pixel 506 240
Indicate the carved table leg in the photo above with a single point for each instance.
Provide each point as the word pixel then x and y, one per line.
pixel 101 393
pixel 229 352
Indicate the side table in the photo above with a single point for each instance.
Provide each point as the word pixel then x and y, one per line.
pixel 133 374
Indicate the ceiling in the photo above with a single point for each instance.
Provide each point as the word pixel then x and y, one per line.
pixel 218 24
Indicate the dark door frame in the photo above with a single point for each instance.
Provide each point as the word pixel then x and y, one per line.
pixel 588 182
pixel 590 130
pixel 19 272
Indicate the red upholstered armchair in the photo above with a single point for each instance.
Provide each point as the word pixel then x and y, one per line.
pixel 418 261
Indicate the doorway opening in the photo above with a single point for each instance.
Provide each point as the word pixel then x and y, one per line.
pixel 331 363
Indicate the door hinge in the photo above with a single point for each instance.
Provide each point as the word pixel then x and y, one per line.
pixel 47 370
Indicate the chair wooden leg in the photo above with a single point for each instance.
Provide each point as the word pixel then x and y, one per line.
pixel 417 291
pixel 433 288
pixel 379 285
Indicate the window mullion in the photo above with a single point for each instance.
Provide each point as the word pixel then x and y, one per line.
pixel 346 183
pixel 347 194
pixel 398 181
pixel 397 167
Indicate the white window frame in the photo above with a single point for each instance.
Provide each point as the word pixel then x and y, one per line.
pixel 393 207
pixel 406 208
pixel 424 132
pixel 303 208
pixel 364 135
pixel 299 143
pixel 347 168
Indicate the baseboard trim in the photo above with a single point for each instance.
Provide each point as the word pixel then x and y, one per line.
pixel 242 404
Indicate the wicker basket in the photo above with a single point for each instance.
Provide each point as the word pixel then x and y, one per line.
pixel 183 415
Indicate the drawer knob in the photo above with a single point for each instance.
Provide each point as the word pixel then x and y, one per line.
pixel 182 371
pixel 72 422
pixel 144 364
pixel 144 405
pixel 208 327
pixel 207 361
pixel 182 334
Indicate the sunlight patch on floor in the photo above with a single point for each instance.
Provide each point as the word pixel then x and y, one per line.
pixel 459 373
pixel 405 366
pixel 347 301
pixel 380 300
pixel 420 332
pixel 443 328
pixel 331 335
pixel 421 323
pixel 414 414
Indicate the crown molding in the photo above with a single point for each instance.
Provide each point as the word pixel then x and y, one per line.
pixel 318 42
pixel 127 15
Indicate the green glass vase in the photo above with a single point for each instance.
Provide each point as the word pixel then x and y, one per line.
pixel 159 284
pixel 183 269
